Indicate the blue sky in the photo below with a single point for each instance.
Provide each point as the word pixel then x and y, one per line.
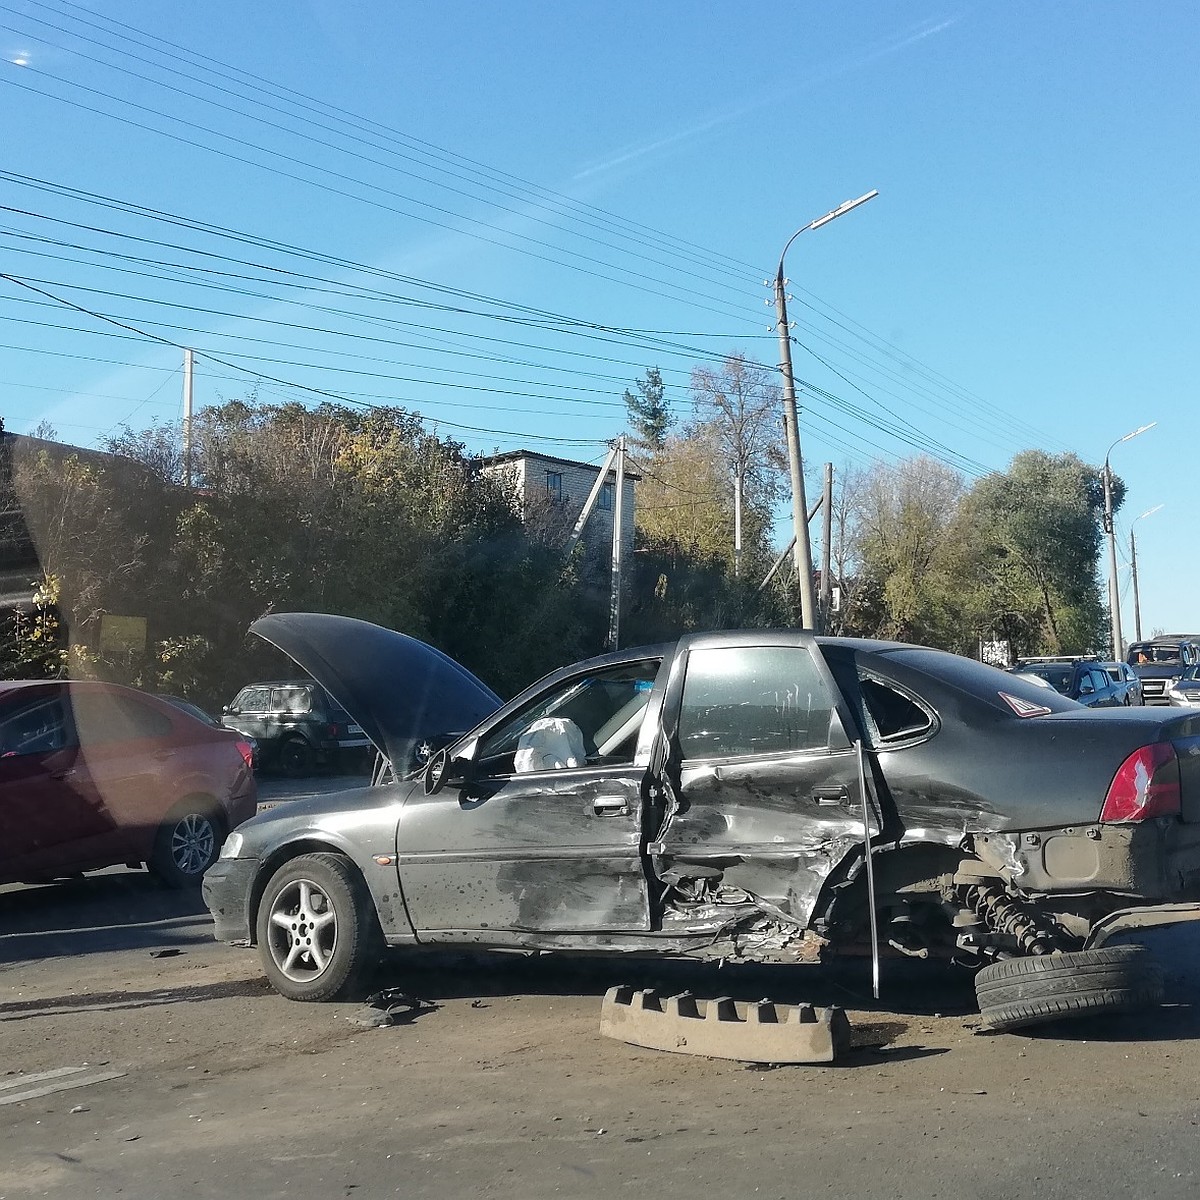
pixel 550 197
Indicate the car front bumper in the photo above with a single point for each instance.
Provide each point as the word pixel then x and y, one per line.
pixel 226 889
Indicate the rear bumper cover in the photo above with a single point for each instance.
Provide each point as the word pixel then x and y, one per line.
pixel 1157 860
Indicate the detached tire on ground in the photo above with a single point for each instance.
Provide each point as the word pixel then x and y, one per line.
pixel 1029 991
pixel 317 930
pixel 187 844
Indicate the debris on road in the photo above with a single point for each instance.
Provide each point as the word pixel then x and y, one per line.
pixel 760 1032
pixel 392 1006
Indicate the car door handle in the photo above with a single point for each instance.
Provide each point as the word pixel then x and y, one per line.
pixel 610 806
pixel 831 797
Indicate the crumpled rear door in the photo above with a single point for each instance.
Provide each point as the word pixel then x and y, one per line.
pixel 763 779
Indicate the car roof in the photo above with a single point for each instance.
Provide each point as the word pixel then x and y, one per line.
pixel 14 685
pixel 280 683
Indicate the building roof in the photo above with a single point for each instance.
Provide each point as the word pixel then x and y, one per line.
pixel 495 460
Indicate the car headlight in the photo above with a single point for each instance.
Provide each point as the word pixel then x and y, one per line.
pixel 233 846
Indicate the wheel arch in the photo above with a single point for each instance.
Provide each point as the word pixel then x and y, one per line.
pixel 908 868
pixel 386 900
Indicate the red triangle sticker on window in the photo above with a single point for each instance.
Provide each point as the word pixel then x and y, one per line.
pixel 1025 708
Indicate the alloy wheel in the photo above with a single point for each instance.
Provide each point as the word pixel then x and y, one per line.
pixel 303 930
pixel 193 842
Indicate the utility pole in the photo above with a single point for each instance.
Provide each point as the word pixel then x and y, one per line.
pixel 802 549
pixel 614 604
pixel 187 419
pixel 590 503
pixel 738 484
pixel 1114 591
pixel 1137 603
pixel 826 542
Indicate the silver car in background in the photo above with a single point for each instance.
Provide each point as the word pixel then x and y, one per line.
pixel 1184 692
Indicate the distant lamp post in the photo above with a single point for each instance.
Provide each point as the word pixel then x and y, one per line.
pixel 1114 593
pixel 1137 603
pixel 802 550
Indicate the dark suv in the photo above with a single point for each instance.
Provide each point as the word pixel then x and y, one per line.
pixel 297 724
pixel 1082 679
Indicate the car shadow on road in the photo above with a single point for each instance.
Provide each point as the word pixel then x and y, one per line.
pixel 1167 1023
pixel 443 975
pixel 115 910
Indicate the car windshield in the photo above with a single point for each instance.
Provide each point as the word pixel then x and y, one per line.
pixel 1150 653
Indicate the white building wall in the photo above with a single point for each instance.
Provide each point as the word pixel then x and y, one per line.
pixel 530 476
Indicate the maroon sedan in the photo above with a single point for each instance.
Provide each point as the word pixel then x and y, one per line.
pixel 95 774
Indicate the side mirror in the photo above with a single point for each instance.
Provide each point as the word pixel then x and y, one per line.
pixel 229 710
pixel 1085 688
pixel 441 768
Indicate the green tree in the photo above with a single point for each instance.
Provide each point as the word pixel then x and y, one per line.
pixel 1039 534
pixel 650 416
pixel 910 547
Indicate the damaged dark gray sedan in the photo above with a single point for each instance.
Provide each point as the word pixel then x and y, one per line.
pixel 714 798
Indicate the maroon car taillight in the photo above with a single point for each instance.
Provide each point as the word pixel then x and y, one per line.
pixel 1146 785
pixel 331 729
pixel 247 753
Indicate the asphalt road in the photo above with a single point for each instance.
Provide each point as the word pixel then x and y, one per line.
pixel 182 1074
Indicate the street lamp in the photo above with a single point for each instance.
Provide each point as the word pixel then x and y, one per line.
pixel 1137 603
pixel 802 550
pixel 1114 594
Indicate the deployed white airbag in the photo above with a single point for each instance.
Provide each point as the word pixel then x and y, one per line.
pixel 550 744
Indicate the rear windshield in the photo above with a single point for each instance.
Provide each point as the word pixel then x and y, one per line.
pixel 979 680
pixel 1055 674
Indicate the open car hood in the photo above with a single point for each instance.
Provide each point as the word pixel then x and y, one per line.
pixel 400 690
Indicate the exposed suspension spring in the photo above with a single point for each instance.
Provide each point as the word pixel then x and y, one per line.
pixel 1000 913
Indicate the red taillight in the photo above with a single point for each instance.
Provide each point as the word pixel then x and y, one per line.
pixel 1146 785
pixel 331 729
pixel 247 753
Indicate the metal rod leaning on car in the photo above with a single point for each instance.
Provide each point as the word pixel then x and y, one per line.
pixel 866 816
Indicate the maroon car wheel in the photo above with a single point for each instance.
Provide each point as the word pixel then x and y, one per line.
pixel 188 843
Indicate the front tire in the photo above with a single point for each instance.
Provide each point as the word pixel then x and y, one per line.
pixel 318 933
pixel 187 844
pixel 1019 992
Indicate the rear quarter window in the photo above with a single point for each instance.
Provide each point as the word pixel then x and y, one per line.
pixel 897 717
